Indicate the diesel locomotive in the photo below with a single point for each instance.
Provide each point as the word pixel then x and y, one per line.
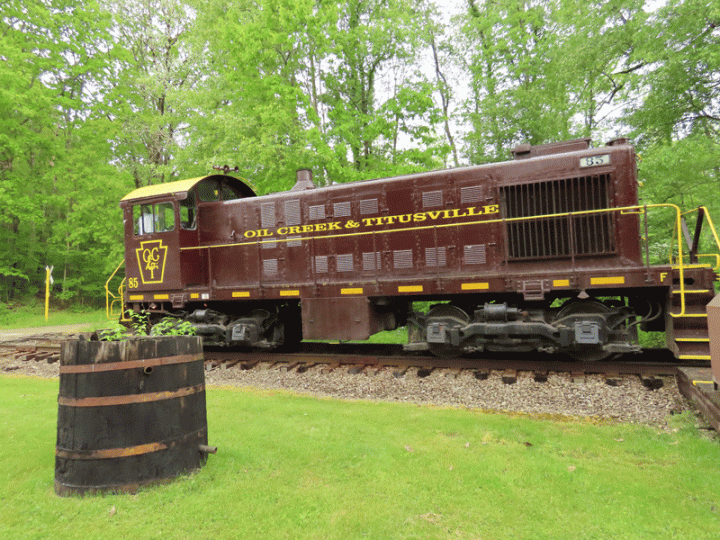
pixel 547 251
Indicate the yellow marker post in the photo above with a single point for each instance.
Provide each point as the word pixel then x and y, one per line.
pixel 48 281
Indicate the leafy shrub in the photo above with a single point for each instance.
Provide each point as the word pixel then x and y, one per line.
pixel 139 326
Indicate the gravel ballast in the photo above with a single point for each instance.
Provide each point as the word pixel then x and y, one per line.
pixel 589 397
pixel 629 401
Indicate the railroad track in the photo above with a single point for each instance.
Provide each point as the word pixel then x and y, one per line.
pixel 361 357
pixel 40 349
pixel 374 359
pixel 653 367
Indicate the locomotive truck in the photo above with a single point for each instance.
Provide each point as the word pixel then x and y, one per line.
pixel 548 251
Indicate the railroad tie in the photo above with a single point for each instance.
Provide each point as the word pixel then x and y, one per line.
pixel 509 376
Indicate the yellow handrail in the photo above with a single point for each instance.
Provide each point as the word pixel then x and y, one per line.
pixel 119 298
pixel 706 213
pixel 680 265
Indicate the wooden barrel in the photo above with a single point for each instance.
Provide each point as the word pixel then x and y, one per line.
pixel 130 413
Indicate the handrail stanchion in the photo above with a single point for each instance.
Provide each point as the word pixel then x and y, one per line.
pixel 109 303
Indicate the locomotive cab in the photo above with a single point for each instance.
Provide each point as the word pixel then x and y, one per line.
pixel 163 256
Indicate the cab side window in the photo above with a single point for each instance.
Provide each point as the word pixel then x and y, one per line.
pixel 152 218
pixel 164 217
pixel 143 219
pixel 188 211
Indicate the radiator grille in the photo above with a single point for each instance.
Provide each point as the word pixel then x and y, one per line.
pixel 591 234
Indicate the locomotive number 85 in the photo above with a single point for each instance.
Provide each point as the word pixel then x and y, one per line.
pixel 543 252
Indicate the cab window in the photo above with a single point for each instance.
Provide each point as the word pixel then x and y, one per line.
pixel 164 217
pixel 208 190
pixel 152 218
pixel 211 189
pixel 188 211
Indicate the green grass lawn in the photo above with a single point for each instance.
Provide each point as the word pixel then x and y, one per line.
pixel 297 467
pixel 31 314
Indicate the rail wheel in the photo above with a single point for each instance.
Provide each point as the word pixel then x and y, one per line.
pixel 445 317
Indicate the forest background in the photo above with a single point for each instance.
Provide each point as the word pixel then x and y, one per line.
pixel 98 97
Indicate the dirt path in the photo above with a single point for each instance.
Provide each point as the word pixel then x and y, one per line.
pixel 9 334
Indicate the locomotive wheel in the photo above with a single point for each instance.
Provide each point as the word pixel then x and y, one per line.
pixel 271 330
pixel 451 316
pixel 585 353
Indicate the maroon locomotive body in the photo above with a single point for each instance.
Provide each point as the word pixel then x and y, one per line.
pixel 541 252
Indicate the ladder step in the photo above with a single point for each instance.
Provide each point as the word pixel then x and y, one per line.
pixel 693 291
pixel 686 266
pixel 694 357
pixel 693 350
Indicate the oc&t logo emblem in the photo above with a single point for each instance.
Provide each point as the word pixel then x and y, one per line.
pixel 151 256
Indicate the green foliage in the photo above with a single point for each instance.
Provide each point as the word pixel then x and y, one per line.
pixel 170 326
pixel 543 71
pixel 139 324
pixel 679 93
pixel 53 158
pixel 313 90
pixel 116 333
pixel 652 340
pixel 140 327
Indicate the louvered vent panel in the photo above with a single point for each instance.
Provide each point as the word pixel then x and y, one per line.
pixel 432 199
pixel 369 206
pixel 292 212
pixel 435 257
pixel 267 215
pixel 317 212
pixel 269 245
pixel 470 194
pixel 474 254
pixel 294 241
pixel 371 261
pixel 321 264
pixel 588 234
pixel 341 209
pixel 270 267
pixel 402 259
pixel 344 262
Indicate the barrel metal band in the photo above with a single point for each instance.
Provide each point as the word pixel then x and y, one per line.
pixel 111 453
pixel 129 399
pixel 131 364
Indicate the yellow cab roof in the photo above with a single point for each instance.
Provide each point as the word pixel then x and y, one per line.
pixel 181 187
